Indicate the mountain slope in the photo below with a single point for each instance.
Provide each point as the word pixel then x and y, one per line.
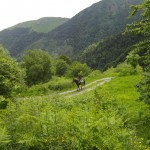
pixel 101 20
pixel 18 39
pixel 108 52
pixel 44 25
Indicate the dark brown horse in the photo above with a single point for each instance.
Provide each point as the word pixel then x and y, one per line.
pixel 79 83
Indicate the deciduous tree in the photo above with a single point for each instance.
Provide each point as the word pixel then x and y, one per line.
pixel 38 66
pixel 11 75
pixel 142 49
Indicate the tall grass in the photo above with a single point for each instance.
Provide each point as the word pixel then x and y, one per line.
pixel 105 119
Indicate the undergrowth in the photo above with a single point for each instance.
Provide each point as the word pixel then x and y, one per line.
pixel 108 118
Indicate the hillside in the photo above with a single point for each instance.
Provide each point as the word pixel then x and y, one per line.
pixel 97 22
pixel 101 20
pixel 43 25
pixel 108 52
pixel 19 37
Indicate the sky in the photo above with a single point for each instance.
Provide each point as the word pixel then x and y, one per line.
pixel 13 12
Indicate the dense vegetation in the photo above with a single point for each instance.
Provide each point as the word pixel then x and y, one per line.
pixel 40 110
pixel 72 121
pixel 108 118
pixel 38 66
pixel 109 52
pixel 11 74
pixel 143 47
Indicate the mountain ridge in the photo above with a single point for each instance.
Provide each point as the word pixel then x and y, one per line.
pixel 44 25
pixel 87 27
pixel 99 21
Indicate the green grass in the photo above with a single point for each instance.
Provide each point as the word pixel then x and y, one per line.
pixel 123 90
pixel 123 87
pixel 107 118
pixel 56 84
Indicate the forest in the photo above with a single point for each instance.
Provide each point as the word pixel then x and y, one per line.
pixel 41 109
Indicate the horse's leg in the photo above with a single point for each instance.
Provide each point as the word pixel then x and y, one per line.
pixel 78 88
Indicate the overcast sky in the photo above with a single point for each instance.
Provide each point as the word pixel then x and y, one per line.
pixel 16 11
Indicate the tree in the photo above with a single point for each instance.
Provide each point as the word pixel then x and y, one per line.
pixel 61 67
pixel 65 58
pixel 11 75
pixel 132 59
pixel 38 66
pixel 76 68
pixel 142 49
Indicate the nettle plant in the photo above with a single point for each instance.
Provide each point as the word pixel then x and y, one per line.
pixel 86 122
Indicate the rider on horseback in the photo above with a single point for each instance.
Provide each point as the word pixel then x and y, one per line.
pixel 80 77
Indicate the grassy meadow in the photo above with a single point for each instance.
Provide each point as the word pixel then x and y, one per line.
pixel 106 118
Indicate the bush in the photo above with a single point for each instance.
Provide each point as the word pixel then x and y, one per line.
pixel 78 67
pixel 3 102
pixel 11 75
pixel 61 67
pixel 94 74
pixel 125 70
pixel 60 84
pixel 38 66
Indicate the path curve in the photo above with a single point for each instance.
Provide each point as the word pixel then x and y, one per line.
pixel 74 92
pixel 85 89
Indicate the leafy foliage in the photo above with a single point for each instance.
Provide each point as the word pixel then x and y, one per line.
pixel 11 75
pixel 132 59
pixel 65 58
pixel 95 121
pixel 61 67
pixel 143 48
pixel 38 66
pixel 76 68
pixel 124 70
pixel 109 52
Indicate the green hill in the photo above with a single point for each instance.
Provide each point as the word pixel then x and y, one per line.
pixel 101 20
pixel 44 25
pixel 108 52
pixel 17 38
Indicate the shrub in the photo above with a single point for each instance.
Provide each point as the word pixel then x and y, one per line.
pixel 3 102
pixel 60 84
pixel 11 75
pixel 78 67
pixel 61 67
pixel 124 69
pixel 38 66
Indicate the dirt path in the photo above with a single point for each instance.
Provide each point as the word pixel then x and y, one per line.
pixel 74 92
pixel 85 88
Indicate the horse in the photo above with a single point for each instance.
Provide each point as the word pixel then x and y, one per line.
pixel 79 83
